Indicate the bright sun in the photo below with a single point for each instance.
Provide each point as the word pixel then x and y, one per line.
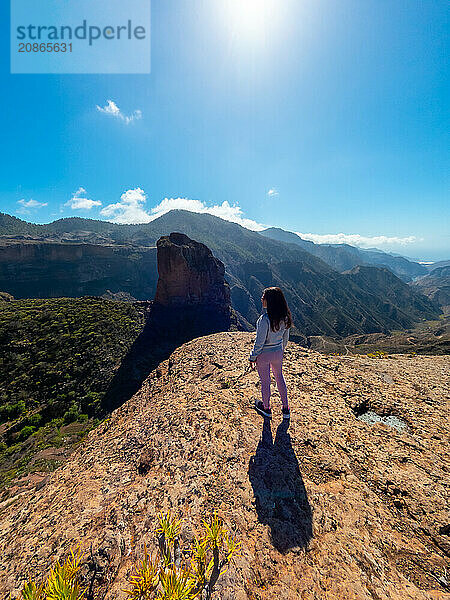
pixel 250 17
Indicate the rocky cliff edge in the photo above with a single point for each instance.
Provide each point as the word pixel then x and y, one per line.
pixel 329 508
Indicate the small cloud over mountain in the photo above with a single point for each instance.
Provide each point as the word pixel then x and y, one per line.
pixel 31 203
pixel 129 209
pixel 355 239
pixel 79 201
pixel 26 206
pixel 113 110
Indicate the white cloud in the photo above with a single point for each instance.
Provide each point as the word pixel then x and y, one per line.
pixel 355 239
pixel 31 203
pixel 80 202
pixel 113 110
pixel 27 205
pixel 272 192
pixel 131 210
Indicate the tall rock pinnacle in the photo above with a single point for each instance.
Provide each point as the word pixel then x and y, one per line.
pixel 192 300
pixel 189 274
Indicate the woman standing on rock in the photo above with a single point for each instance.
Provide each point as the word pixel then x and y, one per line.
pixel 272 334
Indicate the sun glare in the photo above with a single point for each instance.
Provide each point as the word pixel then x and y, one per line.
pixel 250 18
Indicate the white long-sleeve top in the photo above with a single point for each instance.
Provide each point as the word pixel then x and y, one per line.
pixel 268 340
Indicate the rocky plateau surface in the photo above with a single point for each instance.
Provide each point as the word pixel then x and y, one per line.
pixel 327 508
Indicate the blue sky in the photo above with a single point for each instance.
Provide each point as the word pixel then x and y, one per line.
pixel 322 117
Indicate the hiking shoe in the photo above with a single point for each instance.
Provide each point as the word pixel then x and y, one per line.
pixel 265 412
pixel 286 413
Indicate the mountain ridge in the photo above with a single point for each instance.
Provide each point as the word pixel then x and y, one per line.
pixel 344 256
pixel 324 301
pixel 68 224
pixel 436 286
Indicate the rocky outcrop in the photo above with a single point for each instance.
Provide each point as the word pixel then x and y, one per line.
pixel 189 274
pixel 329 508
pixel 192 297
pixel 192 300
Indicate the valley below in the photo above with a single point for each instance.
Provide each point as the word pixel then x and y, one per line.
pixel 429 337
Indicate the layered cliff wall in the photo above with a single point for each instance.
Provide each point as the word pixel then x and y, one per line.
pixel 49 270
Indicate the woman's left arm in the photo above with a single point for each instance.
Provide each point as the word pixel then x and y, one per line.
pixel 262 328
pixel 285 337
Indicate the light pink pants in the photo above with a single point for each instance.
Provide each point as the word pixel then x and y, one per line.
pixel 263 363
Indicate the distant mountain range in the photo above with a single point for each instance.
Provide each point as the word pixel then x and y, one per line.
pixel 332 290
pixel 343 257
pixel 437 265
pixel 436 285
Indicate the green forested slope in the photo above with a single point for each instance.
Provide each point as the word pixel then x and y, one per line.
pixel 57 357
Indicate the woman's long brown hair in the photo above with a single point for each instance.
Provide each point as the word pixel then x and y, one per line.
pixel 277 308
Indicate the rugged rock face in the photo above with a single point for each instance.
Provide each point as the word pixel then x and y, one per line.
pixel 192 299
pixel 189 274
pixel 331 508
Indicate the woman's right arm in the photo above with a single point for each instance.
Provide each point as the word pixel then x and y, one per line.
pixel 262 328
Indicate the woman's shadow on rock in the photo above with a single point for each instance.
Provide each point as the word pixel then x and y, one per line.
pixel 280 495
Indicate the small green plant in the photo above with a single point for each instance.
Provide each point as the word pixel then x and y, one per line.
pixel 144 580
pixel 377 354
pixel 31 591
pixel 177 574
pixel 172 573
pixel 61 583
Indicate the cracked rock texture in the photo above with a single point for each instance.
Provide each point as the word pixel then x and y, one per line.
pixel 329 508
